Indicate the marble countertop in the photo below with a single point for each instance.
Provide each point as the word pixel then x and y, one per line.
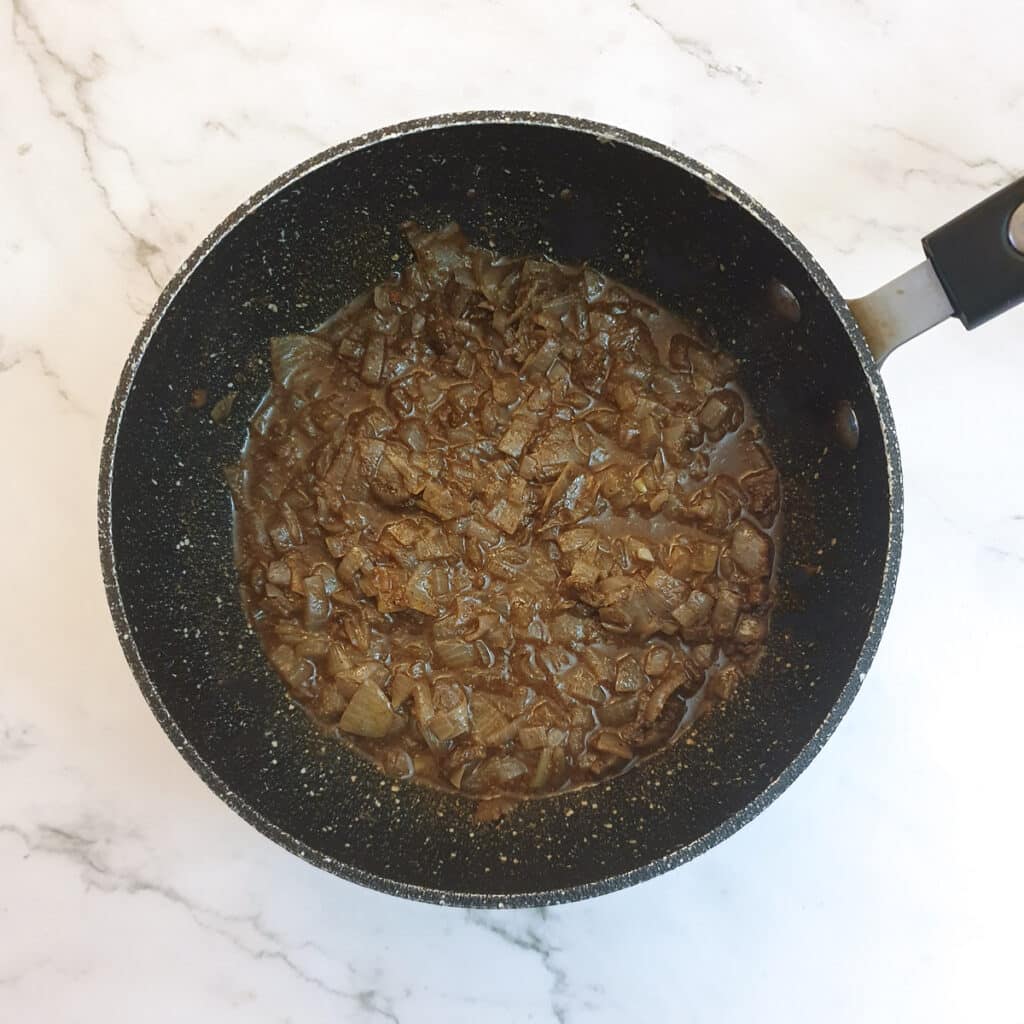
pixel 884 885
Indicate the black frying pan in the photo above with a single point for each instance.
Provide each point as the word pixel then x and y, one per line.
pixel 576 191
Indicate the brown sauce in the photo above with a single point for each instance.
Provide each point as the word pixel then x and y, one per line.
pixel 506 525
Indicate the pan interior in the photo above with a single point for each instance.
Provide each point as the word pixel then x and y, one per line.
pixel 308 247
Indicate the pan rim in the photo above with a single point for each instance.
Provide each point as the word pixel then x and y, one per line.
pixel 610 882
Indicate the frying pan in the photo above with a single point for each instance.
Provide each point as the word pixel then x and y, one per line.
pixel 575 191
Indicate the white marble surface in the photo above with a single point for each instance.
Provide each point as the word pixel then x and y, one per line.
pixel 884 885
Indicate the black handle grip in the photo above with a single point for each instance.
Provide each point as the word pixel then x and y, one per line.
pixel 975 258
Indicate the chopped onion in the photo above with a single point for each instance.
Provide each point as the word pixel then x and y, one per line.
pixel 724 682
pixel 391 588
pixel 620 711
pixel 279 573
pixel 519 434
pixel 751 550
pixel 418 591
pixel 629 676
pixel 438 500
pixel 600 664
pixel 446 725
pixel 750 630
pixel 725 613
pixel 495 772
pixel 695 610
pixel 398 764
pixel 657 660
pixel 368 713
pixel 541 361
pixel 318 605
pixel 680 678
pixel 355 560
pixel 542 772
pixel 296 672
pixel 490 726
pixel 507 516
pixel 611 743
pixel 402 684
pixel 455 653
pixel 582 684
pixel 573 540
pixel 423 702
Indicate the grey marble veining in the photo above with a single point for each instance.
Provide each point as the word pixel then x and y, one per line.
pixel 883 885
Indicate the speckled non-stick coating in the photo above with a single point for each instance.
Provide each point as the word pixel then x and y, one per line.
pixel 309 242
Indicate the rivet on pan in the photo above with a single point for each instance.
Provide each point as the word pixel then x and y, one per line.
pixel 1015 231
pixel 847 427
pixel 783 301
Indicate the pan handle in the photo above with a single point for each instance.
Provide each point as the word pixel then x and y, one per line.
pixel 974 270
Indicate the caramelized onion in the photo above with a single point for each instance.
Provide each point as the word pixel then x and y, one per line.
pixel 500 520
